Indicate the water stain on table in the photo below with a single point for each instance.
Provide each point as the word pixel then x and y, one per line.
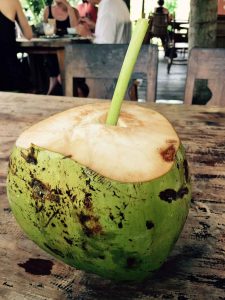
pixel 36 266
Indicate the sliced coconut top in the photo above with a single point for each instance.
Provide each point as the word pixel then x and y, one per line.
pixel 141 147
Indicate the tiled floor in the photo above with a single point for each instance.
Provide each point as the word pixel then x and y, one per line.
pixel 171 86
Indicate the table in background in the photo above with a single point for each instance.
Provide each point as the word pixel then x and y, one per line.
pixel 179 41
pixel 43 45
pixel 196 267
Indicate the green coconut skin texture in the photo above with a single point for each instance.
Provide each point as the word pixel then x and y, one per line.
pixel 121 231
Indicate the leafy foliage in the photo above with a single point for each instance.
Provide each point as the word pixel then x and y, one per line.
pixel 171 5
pixel 34 8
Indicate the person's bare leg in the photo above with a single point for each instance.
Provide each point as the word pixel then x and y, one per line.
pixel 52 83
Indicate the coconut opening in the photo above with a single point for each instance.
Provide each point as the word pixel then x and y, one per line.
pixel 140 148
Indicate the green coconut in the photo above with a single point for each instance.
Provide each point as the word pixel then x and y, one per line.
pixel 110 200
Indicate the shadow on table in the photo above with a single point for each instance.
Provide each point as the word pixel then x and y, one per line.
pixel 166 283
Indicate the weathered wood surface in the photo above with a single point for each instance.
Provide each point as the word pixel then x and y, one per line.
pixel 101 65
pixel 196 267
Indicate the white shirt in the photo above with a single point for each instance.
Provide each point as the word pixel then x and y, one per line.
pixel 113 24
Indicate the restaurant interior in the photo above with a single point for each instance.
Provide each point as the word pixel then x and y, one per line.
pixel 171 65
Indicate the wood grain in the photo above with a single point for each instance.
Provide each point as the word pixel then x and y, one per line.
pixel 196 267
pixel 101 65
pixel 208 64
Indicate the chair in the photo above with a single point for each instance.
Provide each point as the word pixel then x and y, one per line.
pixel 206 64
pixel 100 64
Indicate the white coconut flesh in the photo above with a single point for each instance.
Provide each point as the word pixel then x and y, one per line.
pixel 140 148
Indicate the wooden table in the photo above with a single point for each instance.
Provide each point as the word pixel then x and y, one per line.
pixel 44 45
pixel 196 267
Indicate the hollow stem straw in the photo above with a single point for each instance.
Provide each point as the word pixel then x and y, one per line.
pixel 126 71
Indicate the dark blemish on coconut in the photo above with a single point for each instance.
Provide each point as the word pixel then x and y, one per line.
pixel 120 225
pixel 111 217
pixel 57 191
pixel 125 205
pixel 30 156
pixel 102 256
pixel 64 223
pixel 115 195
pixel 67 156
pixel 70 242
pixel 88 183
pixel 52 216
pixel 39 208
pixel 71 196
pixel 87 201
pixel 149 224
pixel 90 224
pixel 55 251
pixel 122 216
pixel 186 171
pixel 168 154
pixel 41 191
pixel 170 195
pixel 84 246
pixel 131 262
pixel 36 266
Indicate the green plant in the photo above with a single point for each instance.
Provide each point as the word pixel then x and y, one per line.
pixel 34 9
pixel 171 5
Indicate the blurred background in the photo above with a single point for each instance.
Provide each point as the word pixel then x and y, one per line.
pixel 138 8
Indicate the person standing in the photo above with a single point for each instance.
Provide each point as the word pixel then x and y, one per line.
pixel 162 10
pixel 113 24
pixel 11 12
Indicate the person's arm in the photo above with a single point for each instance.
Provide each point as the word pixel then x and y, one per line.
pixel 90 23
pixel 73 15
pixel 83 30
pixel 22 22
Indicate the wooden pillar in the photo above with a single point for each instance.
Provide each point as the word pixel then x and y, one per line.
pixel 202 33
pixel 203 22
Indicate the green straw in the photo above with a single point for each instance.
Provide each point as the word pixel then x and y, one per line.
pixel 126 71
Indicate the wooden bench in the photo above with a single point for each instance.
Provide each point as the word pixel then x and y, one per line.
pixel 100 64
pixel 206 64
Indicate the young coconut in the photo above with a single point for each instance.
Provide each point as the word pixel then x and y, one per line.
pixel 107 199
